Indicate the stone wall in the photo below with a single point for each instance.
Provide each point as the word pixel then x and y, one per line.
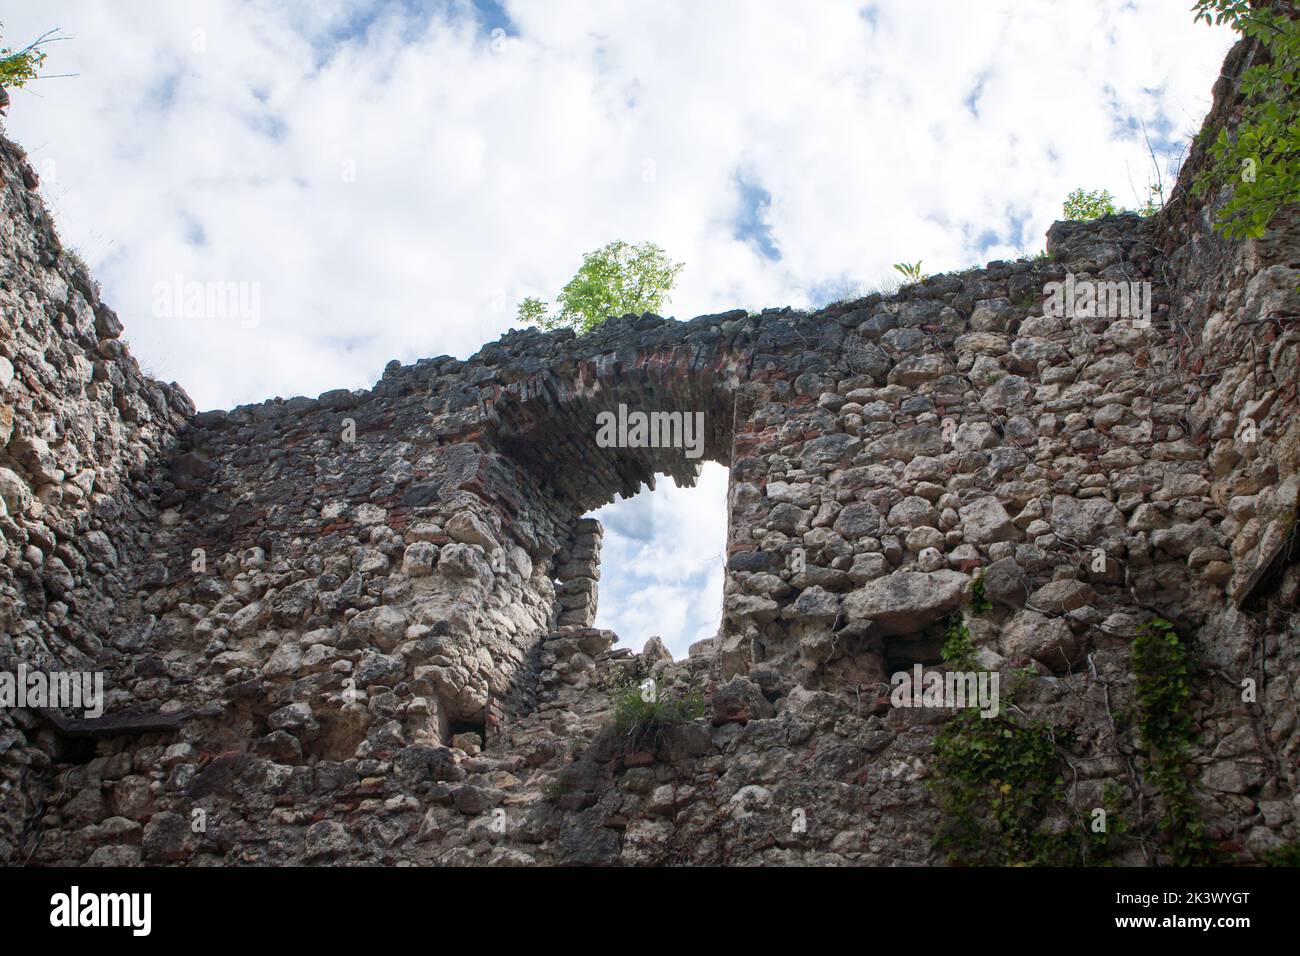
pixel 84 441
pixel 361 623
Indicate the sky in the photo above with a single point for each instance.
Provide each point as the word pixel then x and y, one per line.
pixel 380 180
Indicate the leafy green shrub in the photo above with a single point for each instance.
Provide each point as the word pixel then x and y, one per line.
pixel 617 279
pixel 1262 157
pixel 1082 206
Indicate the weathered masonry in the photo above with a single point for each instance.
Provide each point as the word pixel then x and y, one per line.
pixel 358 627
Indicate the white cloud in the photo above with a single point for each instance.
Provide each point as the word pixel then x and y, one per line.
pixel 394 181
pixel 482 174
pixel 662 562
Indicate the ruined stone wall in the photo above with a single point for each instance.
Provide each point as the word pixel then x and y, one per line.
pixel 1236 346
pixel 84 441
pixel 368 614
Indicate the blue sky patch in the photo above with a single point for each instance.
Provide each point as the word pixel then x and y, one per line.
pixel 750 224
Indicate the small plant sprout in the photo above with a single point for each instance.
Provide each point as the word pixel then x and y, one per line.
pixel 911 271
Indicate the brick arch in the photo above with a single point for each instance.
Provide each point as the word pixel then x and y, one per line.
pixel 549 423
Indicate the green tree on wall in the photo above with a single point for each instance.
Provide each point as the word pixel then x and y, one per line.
pixel 1261 158
pixel 1086 206
pixel 616 279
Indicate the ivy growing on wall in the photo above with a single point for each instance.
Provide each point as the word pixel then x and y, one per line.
pixel 998 783
pixel 1162 664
